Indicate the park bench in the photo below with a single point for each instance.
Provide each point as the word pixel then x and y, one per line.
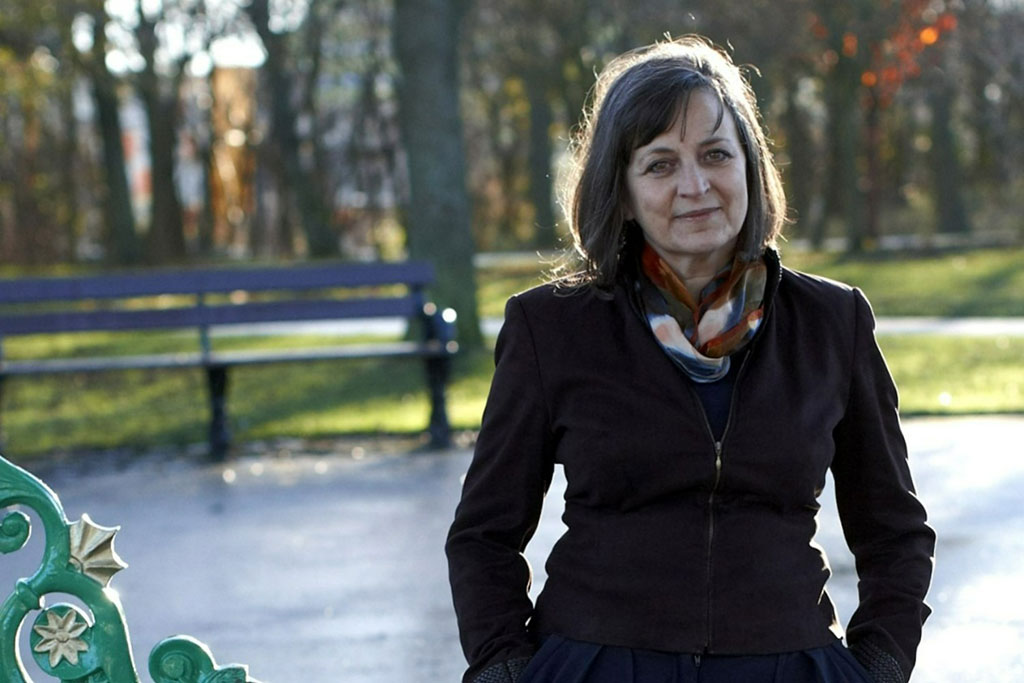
pixel 197 300
pixel 67 642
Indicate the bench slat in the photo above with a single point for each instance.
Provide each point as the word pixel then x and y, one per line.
pixel 100 363
pixel 415 274
pixel 433 349
pixel 231 314
pixel 387 350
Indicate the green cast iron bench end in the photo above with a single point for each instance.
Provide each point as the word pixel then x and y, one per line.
pixel 72 644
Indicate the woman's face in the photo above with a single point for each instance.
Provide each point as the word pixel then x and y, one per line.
pixel 688 188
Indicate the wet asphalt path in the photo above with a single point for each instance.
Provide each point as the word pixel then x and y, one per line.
pixel 963 327
pixel 327 566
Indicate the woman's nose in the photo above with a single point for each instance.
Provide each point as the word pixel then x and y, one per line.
pixel 691 181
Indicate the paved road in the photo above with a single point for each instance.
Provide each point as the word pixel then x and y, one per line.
pixel 967 327
pixel 324 564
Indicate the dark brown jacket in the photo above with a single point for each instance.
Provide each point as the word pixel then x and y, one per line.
pixel 676 542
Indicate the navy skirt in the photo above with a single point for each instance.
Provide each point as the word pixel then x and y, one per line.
pixel 561 660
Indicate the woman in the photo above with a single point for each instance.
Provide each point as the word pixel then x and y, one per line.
pixel 696 393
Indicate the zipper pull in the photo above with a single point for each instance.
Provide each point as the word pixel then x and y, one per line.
pixel 696 661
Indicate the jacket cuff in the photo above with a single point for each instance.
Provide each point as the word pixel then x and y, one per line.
pixel 881 665
pixel 503 672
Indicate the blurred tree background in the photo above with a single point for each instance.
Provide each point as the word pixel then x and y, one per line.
pixel 138 132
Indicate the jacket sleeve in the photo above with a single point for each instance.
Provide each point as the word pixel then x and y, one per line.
pixel 882 518
pixel 500 507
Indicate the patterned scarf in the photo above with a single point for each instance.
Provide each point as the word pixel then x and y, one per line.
pixel 701 335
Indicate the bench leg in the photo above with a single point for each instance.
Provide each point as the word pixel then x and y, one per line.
pixel 220 437
pixel 437 377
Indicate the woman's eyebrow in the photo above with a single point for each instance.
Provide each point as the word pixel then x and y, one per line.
pixel 715 140
pixel 656 150
pixel 643 153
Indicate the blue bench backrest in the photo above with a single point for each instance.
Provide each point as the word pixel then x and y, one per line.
pixel 61 298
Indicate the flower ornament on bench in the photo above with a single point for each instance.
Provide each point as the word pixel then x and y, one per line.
pixel 69 643
pixel 59 638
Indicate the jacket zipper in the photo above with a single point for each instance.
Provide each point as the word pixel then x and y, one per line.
pixel 714 486
pixel 711 539
pixel 770 289
pixel 718 444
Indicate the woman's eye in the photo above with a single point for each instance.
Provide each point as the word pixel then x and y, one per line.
pixel 718 155
pixel 660 166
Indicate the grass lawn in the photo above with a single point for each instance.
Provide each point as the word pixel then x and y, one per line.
pixel 983 282
pixel 936 375
pixel 956 375
pixel 986 282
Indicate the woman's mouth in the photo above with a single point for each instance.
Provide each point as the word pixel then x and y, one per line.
pixel 697 214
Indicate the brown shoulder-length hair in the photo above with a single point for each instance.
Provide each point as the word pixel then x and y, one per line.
pixel 637 96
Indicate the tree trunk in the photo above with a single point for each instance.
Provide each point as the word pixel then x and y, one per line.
pixel 986 114
pixel 206 220
pixel 801 173
pixel 166 239
pixel 426 47
pixel 872 150
pixel 122 241
pixel 202 136
pixel 842 196
pixel 303 185
pixel 33 227
pixel 71 217
pixel 70 187
pixel 539 157
pixel 947 173
pixel 166 235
